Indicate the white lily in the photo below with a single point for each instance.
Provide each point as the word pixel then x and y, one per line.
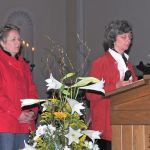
pixel 89 144
pixel 46 105
pixel 95 147
pixel 28 102
pixel 66 148
pixel 92 134
pixel 73 135
pixel 51 129
pixel 53 83
pixel 28 147
pixel 96 87
pixel 75 106
pixel 41 130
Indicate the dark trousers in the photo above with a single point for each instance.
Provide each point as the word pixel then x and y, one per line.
pixel 9 141
pixel 104 144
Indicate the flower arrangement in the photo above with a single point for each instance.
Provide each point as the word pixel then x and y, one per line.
pixel 61 126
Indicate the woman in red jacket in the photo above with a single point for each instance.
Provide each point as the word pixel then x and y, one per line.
pixel 15 84
pixel 111 67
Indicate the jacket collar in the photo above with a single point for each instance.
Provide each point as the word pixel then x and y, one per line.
pixel 9 54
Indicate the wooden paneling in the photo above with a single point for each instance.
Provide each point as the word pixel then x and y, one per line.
pixel 117 138
pixel 131 137
pixel 147 137
pixel 130 117
pixel 138 137
pixel 127 141
pixel 138 103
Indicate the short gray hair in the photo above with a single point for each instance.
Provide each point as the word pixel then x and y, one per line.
pixel 4 30
pixel 113 29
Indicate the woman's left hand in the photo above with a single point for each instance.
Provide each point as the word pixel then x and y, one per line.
pixel 123 83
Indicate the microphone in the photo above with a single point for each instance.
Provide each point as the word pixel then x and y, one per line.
pixel 127 75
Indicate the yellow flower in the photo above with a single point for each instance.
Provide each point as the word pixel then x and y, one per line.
pixel 82 139
pixel 60 115
pixel 68 108
pixel 46 116
pixel 83 126
pixel 53 100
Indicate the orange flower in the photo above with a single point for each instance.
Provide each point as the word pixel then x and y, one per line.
pixel 60 115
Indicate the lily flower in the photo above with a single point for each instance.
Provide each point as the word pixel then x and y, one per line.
pixel 51 129
pixel 53 83
pixel 66 148
pixel 46 105
pixel 43 129
pixel 95 147
pixel 40 131
pixel 92 134
pixel 75 106
pixel 73 135
pixel 28 147
pixel 89 144
pixel 28 102
pixel 95 87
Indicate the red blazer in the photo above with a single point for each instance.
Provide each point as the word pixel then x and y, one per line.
pixel 105 67
pixel 15 84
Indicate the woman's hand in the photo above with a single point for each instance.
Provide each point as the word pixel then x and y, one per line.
pixel 26 117
pixel 123 83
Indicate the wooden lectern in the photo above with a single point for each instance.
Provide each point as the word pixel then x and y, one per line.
pixel 130 116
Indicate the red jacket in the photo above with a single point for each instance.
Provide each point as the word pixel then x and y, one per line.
pixel 15 84
pixel 105 67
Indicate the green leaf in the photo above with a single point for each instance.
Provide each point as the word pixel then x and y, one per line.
pixel 68 75
pixel 85 80
pixel 91 79
pixel 65 92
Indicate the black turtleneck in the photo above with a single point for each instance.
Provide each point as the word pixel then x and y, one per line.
pixel 125 59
